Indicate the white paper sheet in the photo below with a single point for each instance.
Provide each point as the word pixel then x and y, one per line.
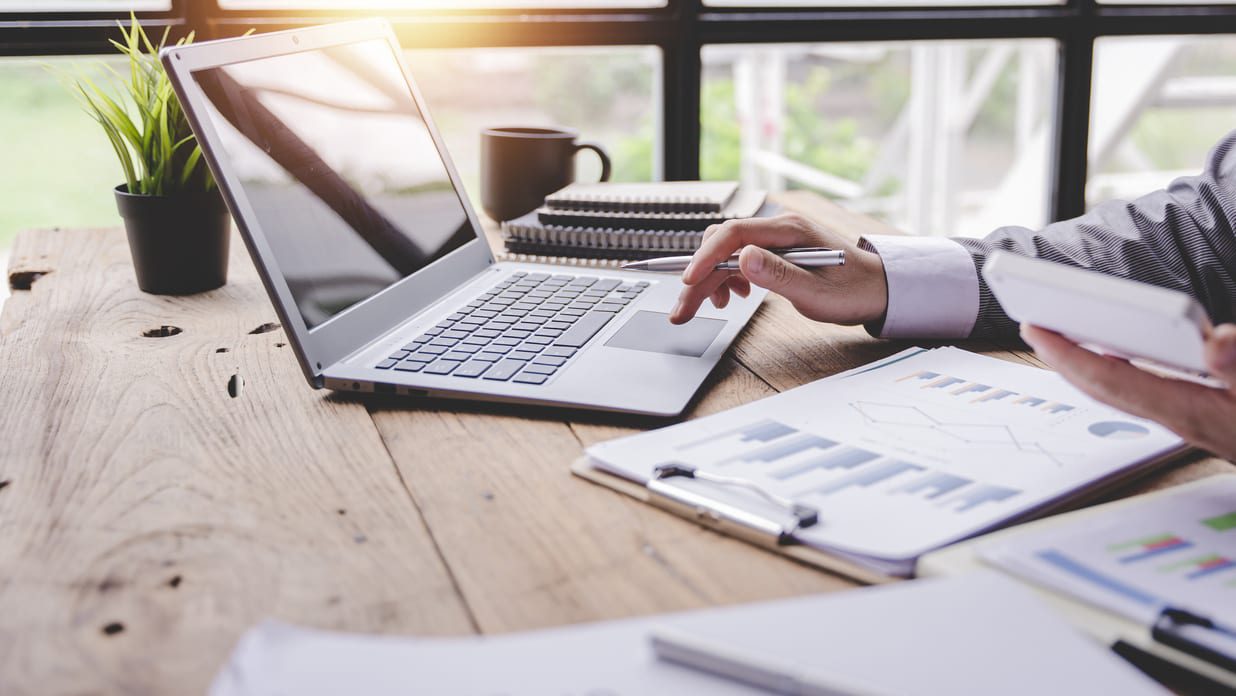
pixel 909 454
pixel 977 634
pixel 1174 549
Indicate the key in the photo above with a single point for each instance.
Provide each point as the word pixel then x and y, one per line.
pixel 442 367
pixel 399 355
pixel 488 357
pixel 409 366
pixel 472 341
pixel 537 277
pixel 456 335
pixel 584 329
pixel 559 352
pixel 529 378
pixel 550 361
pixel 558 325
pixel 517 333
pixel 388 364
pixel 607 284
pixel 506 341
pixel 465 348
pixel 540 369
pixel 504 370
pixel 609 307
pixel 473 368
pixel 457 356
pixel 423 357
pixel 521 355
pixel 433 350
pixel 486 333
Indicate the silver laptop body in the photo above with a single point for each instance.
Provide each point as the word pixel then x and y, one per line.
pixel 373 257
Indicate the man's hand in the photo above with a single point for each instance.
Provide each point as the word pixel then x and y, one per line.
pixel 1204 416
pixel 855 293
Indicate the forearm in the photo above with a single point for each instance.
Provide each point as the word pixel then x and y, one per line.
pixel 1180 238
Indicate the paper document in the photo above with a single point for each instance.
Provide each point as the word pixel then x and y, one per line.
pixel 1177 548
pixel 977 634
pixel 907 454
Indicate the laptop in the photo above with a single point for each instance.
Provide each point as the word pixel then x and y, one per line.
pixel 375 261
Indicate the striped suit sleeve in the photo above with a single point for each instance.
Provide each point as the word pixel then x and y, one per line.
pixel 1181 237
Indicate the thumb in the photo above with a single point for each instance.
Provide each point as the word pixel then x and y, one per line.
pixel 767 270
pixel 1221 353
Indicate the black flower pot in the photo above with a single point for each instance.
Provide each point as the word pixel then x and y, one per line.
pixel 179 243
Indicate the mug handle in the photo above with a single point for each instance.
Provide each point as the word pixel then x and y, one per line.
pixel 605 164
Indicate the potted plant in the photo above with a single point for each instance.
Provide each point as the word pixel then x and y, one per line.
pixel 177 224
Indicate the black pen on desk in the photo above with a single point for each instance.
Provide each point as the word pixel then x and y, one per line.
pixel 803 257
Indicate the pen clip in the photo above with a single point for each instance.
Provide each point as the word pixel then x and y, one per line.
pixel 1173 625
pixel 726 516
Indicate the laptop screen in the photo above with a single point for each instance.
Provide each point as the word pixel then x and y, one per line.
pixel 338 165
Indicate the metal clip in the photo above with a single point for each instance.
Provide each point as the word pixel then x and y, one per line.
pixel 724 516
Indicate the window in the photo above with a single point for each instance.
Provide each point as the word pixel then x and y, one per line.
pixel 1160 104
pixel 610 95
pixel 942 117
pixel 944 138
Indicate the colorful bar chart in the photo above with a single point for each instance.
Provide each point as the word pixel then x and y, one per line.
pixel 836 458
pixel 1148 547
pixel 1222 523
pixel 1054 408
pixel 1031 401
pixel 1202 566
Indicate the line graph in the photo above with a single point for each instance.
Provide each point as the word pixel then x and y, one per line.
pixel 879 414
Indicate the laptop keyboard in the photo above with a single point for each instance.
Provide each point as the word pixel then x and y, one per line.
pixel 524 329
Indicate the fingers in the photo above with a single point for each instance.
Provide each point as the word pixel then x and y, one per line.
pixel 1221 353
pixel 767 270
pixel 694 295
pixel 723 241
pixel 1176 404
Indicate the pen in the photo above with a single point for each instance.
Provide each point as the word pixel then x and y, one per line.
pixel 762 672
pixel 803 257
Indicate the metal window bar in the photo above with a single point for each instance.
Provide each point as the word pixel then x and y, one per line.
pixel 680 30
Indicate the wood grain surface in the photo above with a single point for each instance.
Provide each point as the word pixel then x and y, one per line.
pixel 167 479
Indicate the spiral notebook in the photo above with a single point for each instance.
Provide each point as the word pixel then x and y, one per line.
pixel 527 238
pixel 629 215
pixel 662 197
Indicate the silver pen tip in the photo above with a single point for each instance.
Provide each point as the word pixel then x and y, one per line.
pixel 635 266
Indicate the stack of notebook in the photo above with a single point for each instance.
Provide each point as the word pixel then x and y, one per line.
pixel 629 221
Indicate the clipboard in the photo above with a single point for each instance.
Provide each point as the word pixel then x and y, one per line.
pixel 1177 637
pixel 731 521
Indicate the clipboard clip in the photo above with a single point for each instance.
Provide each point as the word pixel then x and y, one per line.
pixel 1197 636
pixel 724 516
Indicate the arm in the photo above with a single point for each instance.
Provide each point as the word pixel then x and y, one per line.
pixel 1181 238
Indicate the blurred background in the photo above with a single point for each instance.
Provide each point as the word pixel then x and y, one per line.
pixel 939 136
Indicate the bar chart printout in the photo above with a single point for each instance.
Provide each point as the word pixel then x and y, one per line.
pixel 1192 567
pixel 901 456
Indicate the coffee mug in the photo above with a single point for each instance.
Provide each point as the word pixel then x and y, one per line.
pixel 521 166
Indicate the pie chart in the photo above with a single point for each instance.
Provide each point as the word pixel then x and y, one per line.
pixel 1118 430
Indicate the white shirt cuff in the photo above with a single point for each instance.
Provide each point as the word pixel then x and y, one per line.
pixel 933 287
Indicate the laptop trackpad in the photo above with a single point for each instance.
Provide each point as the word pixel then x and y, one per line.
pixel 653 332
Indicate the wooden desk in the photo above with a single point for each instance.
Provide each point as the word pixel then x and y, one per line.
pixel 149 514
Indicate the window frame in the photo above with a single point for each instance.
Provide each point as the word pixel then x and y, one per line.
pixel 680 30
